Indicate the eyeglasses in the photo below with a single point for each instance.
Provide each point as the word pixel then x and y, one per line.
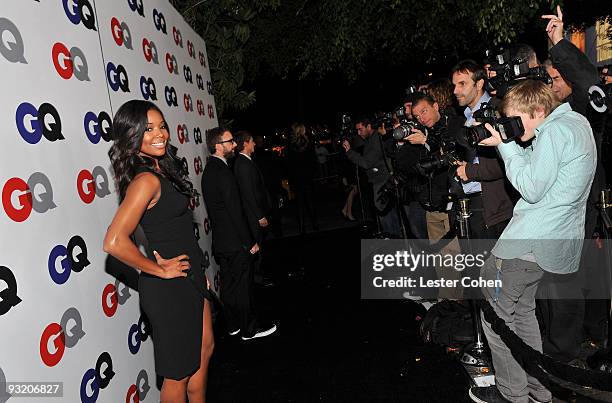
pixel 226 141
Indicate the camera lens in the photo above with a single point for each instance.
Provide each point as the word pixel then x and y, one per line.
pixel 401 132
pixel 476 134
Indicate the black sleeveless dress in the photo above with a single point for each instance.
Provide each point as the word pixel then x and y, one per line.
pixel 174 307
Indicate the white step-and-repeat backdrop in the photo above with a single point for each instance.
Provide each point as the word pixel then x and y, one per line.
pixel 66 66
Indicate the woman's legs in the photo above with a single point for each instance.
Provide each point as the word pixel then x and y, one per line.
pixel 173 391
pixel 196 387
pixel 348 206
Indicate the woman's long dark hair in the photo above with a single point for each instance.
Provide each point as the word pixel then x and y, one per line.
pixel 129 126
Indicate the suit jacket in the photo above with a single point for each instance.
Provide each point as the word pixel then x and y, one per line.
pixel 222 197
pixel 253 193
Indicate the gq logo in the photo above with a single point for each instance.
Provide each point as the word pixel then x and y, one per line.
pixel 68 260
pixel 188 102
pixel 136 6
pixel 150 51
pixel 206 225
pixel 33 123
pixel 194 201
pixel 206 260
pixel 182 134
pixel 196 231
pixel 98 127
pixel 117 77
pixel 185 165
pixel 79 11
pixel 217 281
pixel 200 82
pixel 187 74
pixel 197 165
pixel 197 135
pixel 147 87
pixel 69 62
pixel 211 112
pixel 171 98
pixel 12 48
pixel 171 64
pixel 178 38
pixel 96 379
pixel 114 295
pixel 18 201
pixel 137 392
pixel 8 295
pixel 209 87
pixel 190 49
pixel 90 184
pixel 200 107
pixel 202 59
pixel 58 336
pixel 159 21
pixel 121 33
pixel 138 333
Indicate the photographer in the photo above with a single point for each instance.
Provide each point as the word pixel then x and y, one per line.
pixel 553 176
pixel 565 320
pixel 373 161
pixel 482 177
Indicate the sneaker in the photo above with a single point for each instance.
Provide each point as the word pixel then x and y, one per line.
pixel 262 332
pixel 234 332
pixel 487 394
pixel 534 400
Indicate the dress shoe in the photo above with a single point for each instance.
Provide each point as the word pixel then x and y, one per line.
pixel 260 332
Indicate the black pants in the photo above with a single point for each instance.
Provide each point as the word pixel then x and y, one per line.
pixel 237 290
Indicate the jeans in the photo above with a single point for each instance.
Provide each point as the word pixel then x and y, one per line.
pixel 417 219
pixel 514 302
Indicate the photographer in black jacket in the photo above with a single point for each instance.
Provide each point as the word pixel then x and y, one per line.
pixel 566 323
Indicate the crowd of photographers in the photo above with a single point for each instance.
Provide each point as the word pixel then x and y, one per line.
pixel 507 150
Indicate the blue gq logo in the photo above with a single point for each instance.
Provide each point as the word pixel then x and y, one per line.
pixel 136 6
pixel 171 98
pixel 72 258
pixel 98 127
pixel 138 333
pixel 80 11
pixel 33 123
pixel 147 87
pixel 159 21
pixel 96 379
pixel 117 77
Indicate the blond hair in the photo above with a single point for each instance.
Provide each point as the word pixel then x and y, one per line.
pixel 529 96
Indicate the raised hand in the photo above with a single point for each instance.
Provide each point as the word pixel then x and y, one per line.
pixel 554 29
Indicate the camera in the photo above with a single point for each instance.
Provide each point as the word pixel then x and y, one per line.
pixel 346 127
pixel 509 71
pixel 509 128
pixel 383 120
pixel 405 129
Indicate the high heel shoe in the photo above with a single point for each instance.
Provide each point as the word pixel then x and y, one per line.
pixel 347 216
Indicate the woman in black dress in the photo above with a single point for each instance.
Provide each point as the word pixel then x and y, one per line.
pixel 155 193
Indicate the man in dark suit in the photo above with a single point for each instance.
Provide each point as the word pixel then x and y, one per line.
pixel 255 199
pixel 232 245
